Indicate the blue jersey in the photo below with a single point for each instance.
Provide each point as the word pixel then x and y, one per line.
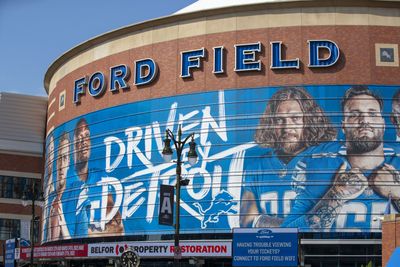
pixel 317 178
pixel 86 199
pixel 270 181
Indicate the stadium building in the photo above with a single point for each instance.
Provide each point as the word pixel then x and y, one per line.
pixel 294 107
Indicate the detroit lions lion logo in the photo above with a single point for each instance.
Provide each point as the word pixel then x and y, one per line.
pixel 222 203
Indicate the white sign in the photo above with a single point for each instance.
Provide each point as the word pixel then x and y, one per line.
pixel 17 253
pixel 25 229
pixel 162 249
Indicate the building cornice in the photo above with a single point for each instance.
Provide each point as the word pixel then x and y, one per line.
pixel 175 18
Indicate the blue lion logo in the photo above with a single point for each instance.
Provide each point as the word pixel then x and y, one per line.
pixel 222 203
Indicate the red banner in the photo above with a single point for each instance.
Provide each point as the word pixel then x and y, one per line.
pixel 59 251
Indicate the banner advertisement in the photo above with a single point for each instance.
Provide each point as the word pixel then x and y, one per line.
pixel 166 213
pixel 162 249
pixel 317 158
pixel 58 251
pixel 144 249
pixel 265 247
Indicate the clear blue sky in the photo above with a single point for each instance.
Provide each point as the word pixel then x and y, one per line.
pixel 33 33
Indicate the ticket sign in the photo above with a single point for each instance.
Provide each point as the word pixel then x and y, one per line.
pixel 265 247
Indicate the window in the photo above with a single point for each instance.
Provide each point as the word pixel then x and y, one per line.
pixel 61 102
pixel 14 187
pixel 387 55
pixel 9 228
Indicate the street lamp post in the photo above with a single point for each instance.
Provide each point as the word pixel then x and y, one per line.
pixel 192 158
pixel 33 194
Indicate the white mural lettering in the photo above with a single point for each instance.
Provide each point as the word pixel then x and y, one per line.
pixel 208 185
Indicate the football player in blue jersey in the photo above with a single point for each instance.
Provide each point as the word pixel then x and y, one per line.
pixel 395 116
pixel 88 191
pixel 347 189
pixel 292 124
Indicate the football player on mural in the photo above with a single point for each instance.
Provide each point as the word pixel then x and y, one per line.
pixel 48 186
pixel 58 226
pixel 395 116
pixel 347 189
pixel 292 125
pixel 89 191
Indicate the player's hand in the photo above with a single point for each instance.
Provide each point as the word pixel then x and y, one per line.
pixel 349 184
pixel 267 221
pixel 115 227
pixel 386 181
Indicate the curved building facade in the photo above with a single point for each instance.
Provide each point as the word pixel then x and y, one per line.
pixel 294 106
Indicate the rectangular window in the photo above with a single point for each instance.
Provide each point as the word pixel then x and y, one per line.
pixel 9 228
pixel 14 187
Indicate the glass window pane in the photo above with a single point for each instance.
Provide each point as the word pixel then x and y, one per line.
pixel 9 187
pixel 9 228
pixel 14 187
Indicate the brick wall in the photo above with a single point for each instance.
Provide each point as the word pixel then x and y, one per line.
pixel 390 236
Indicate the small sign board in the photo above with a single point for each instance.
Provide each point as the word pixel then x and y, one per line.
pixel 265 247
pixel 10 253
pixel 56 251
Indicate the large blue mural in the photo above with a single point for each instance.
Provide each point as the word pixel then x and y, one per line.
pixel 320 158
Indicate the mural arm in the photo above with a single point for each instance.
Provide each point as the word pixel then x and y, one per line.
pixel 248 209
pixel 114 226
pixel 386 182
pixel 347 185
pixel 54 229
pixel 267 221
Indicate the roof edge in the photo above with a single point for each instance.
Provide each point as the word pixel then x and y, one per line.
pixel 13 94
pixel 97 40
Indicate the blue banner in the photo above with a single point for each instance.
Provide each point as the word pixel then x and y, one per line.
pixel 268 157
pixel 265 247
pixel 10 253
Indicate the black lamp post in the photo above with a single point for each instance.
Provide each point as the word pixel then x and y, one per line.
pixel 192 158
pixel 32 194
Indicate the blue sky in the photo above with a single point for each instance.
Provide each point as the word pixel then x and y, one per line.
pixel 33 33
